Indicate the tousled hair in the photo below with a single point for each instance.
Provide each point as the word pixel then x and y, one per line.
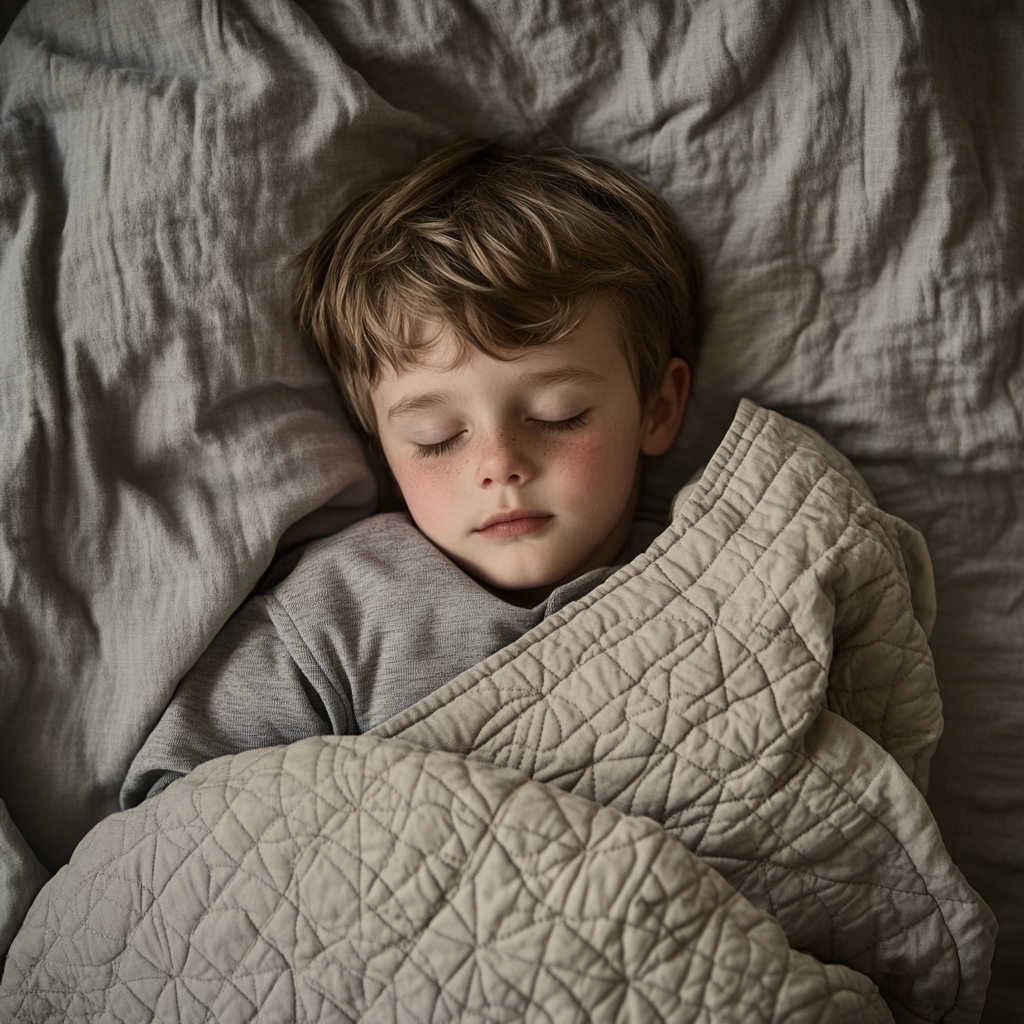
pixel 508 249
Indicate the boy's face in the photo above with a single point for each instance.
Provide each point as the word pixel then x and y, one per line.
pixel 525 473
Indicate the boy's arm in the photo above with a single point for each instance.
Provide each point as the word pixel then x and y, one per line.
pixel 245 691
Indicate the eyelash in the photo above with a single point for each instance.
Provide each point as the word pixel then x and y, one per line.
pixel 426 451
pixel 556 425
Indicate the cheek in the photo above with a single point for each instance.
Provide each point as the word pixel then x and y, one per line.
pixel 427 490
pixel 601 466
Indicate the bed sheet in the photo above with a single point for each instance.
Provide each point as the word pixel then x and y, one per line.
pixel 851 174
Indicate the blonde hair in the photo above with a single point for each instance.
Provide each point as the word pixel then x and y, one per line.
pixel 508 250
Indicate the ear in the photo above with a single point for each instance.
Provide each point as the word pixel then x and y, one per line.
pixel 665 409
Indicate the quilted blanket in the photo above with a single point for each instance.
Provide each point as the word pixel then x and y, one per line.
pixel 693 795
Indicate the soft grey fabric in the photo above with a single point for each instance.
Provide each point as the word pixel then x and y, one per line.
pixel 365 624
pixel 21 877
pixel 163 424
pixel 852 175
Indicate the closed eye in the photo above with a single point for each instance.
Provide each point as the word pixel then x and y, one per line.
pixel 570 424
pixel 425 451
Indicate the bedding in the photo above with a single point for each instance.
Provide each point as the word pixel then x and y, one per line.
pixel 851 174
pixel 725 685
pixel 374 880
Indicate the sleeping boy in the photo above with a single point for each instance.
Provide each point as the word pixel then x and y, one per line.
pixel 513 331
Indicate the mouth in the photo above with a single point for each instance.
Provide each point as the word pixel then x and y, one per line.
pixel 514 523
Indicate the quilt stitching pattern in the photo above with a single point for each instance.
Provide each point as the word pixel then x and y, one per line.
pixel 541 922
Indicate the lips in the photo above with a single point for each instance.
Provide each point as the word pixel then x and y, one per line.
pixel 514 523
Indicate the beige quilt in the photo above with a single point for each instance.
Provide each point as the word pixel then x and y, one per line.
pixel 694 795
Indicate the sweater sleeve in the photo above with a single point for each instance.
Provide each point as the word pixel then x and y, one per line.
pixel 245 691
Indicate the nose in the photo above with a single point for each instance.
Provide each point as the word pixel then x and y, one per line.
pixel 502 460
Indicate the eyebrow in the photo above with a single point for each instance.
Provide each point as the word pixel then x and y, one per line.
pixel 540 379
pixel 416 403
pixel 560 375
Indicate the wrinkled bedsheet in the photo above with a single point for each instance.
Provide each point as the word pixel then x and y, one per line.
pixel 723 687
pixel 852 176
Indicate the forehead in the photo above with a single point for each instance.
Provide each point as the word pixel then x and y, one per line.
pixel 435 349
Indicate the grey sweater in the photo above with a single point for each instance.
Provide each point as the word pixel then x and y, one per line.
pixel 342 636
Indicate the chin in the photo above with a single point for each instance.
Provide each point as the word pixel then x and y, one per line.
pixel 521 579
pixel 514 583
